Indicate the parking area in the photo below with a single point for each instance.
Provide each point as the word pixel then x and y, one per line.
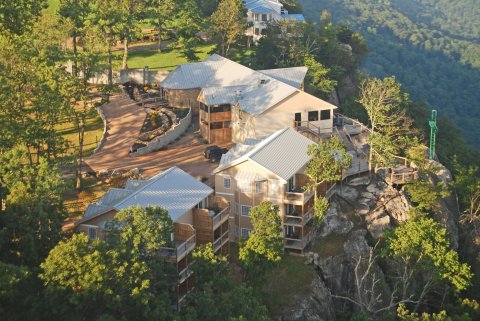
pixel 125 119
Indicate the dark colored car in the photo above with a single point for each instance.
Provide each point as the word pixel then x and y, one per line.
pixel 214 153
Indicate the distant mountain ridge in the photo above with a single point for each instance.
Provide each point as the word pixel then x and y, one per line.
pixel 431 46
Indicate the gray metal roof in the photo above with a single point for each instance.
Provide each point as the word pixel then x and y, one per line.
pixel 293 76
pixel 173 189
pixel 283 153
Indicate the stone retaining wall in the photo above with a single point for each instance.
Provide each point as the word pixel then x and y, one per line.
pixel 171 135
pixel 105 124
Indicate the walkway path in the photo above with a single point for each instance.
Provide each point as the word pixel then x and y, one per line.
pixel 125 119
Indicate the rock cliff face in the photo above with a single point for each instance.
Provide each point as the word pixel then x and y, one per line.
pixel 363 210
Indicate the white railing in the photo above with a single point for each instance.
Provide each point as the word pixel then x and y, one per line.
pixel 177 252
pixel 221 241
pixel 301 197
pixel 220 217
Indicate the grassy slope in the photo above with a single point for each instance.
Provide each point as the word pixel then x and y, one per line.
pixel 168 59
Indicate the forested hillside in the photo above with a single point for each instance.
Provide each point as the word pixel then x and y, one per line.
pixel 431 46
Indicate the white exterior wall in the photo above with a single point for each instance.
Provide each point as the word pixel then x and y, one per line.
pixel 280 116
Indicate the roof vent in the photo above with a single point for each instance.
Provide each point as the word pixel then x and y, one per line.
pixel 262 82
pixel 238 94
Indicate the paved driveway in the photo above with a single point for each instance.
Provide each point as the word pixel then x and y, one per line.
pixel 125 119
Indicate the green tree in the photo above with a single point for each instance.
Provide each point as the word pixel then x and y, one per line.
pixel 119 277
pixel 389 125
pixel 132 12
pixel 76 13
pixel 31 98
pixel 107 20
pixel 187 24
pixel 264 246
pixel 228 23
pixel 33 212
pixel 318 82
pixel 422 256
pixel 161 12
pixel 18 16
pixel 328 160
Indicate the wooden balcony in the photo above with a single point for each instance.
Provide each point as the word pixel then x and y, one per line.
pixel 297 197
pixel 221 241
pixel 298 242
pixel 209 223
pixel 298 219
pixel 220 217
pixel 184 243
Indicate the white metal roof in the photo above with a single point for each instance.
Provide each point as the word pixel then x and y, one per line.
pixel 173 189
pixel 293 76
pixel 283 153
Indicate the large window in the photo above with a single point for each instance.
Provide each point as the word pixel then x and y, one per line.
pixel 226 183
pixel 264 18
pixel 246 210
pixel 92 233
pixel 245 233
pixel 325 114
pixel 313 115
pixel 259 187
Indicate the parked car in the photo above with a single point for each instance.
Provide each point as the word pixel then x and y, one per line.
pixel 214 153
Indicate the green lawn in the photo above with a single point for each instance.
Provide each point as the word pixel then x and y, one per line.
pixel 93 133
pixel 168 59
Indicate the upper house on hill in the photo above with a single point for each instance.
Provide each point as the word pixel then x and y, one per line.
pixel 261 12
pixel 235 102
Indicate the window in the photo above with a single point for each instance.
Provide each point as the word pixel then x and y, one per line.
pixel 291 184
pixel 325 114
pixel 259 187
pixel 244 186
pixel 313 115
pixel 220 108
pixel 226 124
pixel 245 233
pixel 92 233
pixel 226 183
pixel 216 125
pixel 298 116
pixel 257 31
pixel 246 210
pixel 264 32
pixel 264 17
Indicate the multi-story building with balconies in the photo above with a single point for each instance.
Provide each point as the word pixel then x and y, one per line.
pixel 272 170
pixel 198 218
pixel 262 12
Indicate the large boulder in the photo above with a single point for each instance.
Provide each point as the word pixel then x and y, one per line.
pixel 335 222
pixel 317 307
pixel 348 193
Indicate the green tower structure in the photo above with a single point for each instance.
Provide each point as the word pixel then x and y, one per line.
pixel 433 133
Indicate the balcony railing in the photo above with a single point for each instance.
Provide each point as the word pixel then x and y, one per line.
pixel 297 241
pixel 220 241
pixel 220 217
pixel 184 274
pixel 298 196
pixel 181 249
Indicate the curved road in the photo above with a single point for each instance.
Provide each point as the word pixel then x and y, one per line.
pixel 125 119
